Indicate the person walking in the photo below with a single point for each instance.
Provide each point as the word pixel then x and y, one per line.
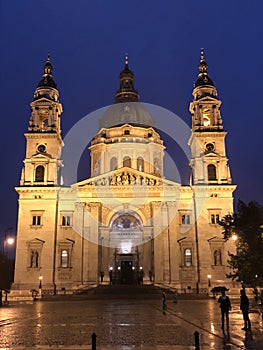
pixel 225 306
pixel 175 296
pixel 164 300
pixel 244 307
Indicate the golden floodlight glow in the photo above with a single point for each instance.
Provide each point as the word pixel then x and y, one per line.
pixel 234 237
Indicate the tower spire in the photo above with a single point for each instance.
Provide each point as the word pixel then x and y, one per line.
pixel 126 60
pixel 205 108
pixel 202 53
pixel 203 65
pixel 47 78
pixel 203 78
pixel 126 92
pixel 46 109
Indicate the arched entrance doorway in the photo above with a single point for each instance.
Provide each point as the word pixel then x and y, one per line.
pixel 126 237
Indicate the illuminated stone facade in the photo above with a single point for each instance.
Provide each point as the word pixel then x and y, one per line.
pixel 127 223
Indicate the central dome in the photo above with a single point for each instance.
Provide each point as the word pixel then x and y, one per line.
pixel 133 113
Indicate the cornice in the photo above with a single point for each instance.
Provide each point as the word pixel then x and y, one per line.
pixel 209 133
pixel 43 135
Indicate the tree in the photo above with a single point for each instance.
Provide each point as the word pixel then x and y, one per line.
pixel 247 224
pixel 6 272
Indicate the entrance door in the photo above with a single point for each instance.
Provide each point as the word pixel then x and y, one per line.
pixel 126 272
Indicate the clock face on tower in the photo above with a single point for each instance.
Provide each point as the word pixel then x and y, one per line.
pixel 209 147
pixel 41 148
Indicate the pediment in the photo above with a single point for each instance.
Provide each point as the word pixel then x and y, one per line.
pixel 41 156
pixel 35 241
pixel 66 242
pixel 42 98
pixel 126 176
pixel 212 154
pixel 215 239
pixel 209 99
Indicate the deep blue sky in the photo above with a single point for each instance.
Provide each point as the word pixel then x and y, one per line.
pixel 87 41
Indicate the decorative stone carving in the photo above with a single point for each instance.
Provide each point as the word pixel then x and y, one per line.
pixel 105 213
pixel 125 179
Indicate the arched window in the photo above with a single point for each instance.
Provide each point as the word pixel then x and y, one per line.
pixel 206 120
pixel 140 164
pixel 217 257
pixel 127 162
pixel 188 257
pixel 125 221
pixel 211 171
pixel 113 163
pixel 40 173
pixel 64 258
pixel 43 124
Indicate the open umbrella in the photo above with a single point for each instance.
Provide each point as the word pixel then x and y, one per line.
pixel 219 289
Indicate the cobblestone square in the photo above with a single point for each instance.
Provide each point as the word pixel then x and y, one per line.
pixel 130 321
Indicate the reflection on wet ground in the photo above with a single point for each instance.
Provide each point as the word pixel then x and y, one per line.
pixel 125 323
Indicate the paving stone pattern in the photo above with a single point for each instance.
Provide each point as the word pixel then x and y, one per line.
pixel 133 319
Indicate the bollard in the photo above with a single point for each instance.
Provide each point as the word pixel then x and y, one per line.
pixel 196 334
pixel 93 341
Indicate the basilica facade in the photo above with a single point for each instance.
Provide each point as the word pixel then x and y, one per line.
pixel 126 223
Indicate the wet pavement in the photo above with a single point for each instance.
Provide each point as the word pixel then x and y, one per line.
pixel 123 322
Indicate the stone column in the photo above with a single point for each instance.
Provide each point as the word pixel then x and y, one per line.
pixel 91 243
pixel 157 242
pixel 147 247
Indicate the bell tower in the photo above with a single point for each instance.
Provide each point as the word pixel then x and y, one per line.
pixel 209 162
pixel 42 164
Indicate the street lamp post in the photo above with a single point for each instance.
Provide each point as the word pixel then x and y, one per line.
pixel 110 274
pixel 209 280
pixel 5 265
pixel 40 285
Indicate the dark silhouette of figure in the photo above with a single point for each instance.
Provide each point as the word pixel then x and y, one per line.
pixel 256 294
pixel 164 300
pixel 244 307
pixel 110 275
pixel 141 277
pixel 175 296
pixel 225 306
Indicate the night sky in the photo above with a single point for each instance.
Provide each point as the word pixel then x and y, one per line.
pixel 88 39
